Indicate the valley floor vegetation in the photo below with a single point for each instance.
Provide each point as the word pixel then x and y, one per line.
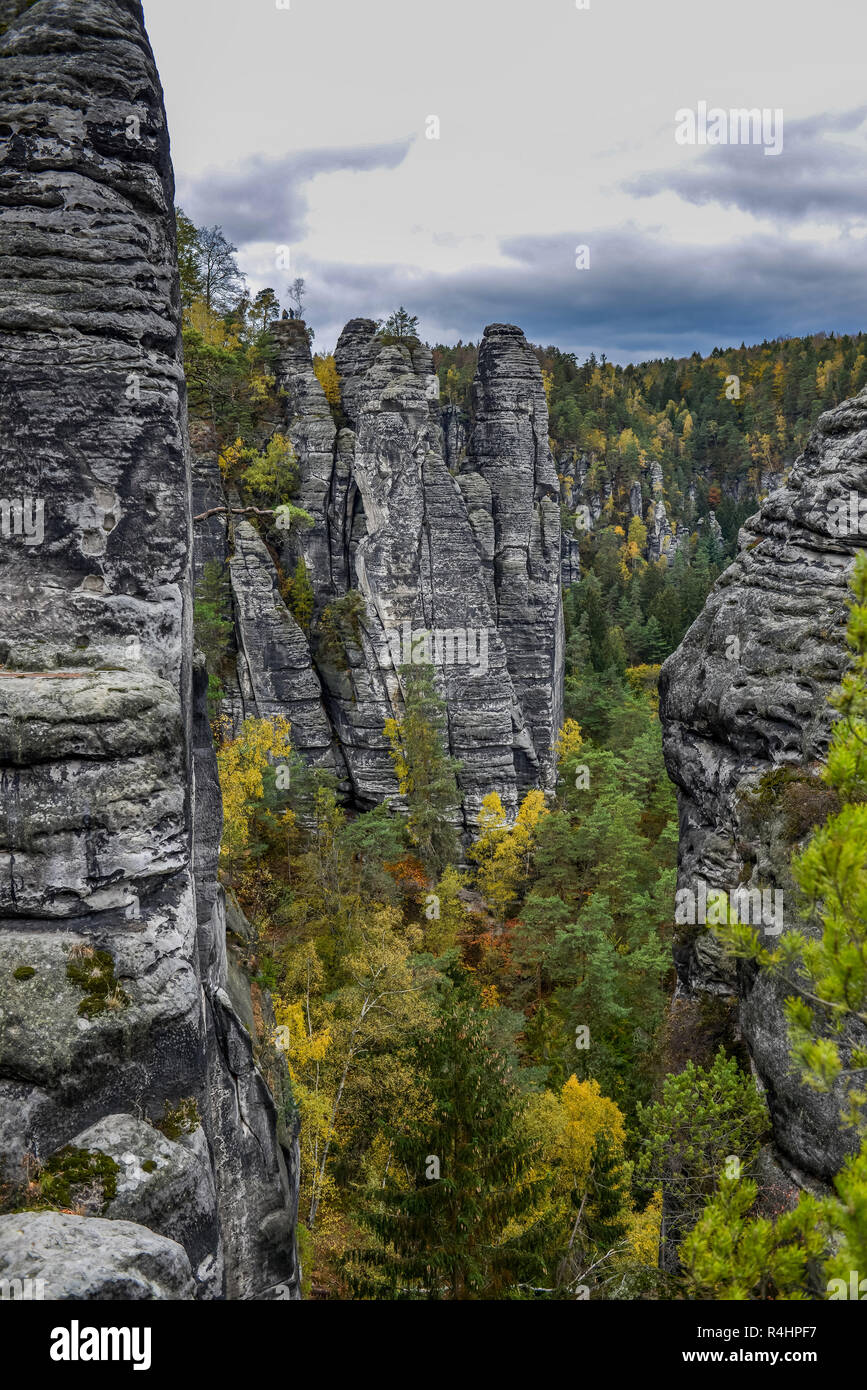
pixel 478 1053
pixel 490 1093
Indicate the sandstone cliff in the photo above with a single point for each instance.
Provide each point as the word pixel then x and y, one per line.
pixel 746 725
pixel 468 555
pixel 116 1012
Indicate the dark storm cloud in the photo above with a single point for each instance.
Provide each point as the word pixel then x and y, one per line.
pixel 265 200
pixel 816 174
pixel 643 296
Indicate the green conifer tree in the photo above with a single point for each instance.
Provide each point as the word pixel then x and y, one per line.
pixel 213 627
pixel 427 775
pixel 462 1166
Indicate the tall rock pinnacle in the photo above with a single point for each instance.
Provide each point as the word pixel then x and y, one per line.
pixel 112 954
pixel 470 558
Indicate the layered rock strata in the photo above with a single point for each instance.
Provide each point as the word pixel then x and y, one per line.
pixel 115 1011
pixel 459 567
pixel 746 720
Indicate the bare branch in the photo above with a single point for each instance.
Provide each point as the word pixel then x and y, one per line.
pixel 235 511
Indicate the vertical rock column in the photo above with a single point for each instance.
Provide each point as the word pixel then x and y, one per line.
pixel 509 450
pixel 311 428
pixel 105 1016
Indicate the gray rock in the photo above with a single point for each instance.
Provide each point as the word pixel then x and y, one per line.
pixel 660 533
pixel 744 694
pixel 166 1186
pixel 472 560
pixel 570 559
pixel 509 449
pixel 312 430
pixel 110 816
pixel 276 676
pixel 454 427
pixel 355 351
pixel 408 494
pixel 211 535
pixel 86 1258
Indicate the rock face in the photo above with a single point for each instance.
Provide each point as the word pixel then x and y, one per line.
pixel 86 1258
pixel 459 567
pixel 509 451
pixel 274 671
pixel 355 351
pixel 113 966
pixel 744 697
pixel 454 437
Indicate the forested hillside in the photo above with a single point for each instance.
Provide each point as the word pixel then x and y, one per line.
pixel 434 780
pixel 708 421
pixel 500 1007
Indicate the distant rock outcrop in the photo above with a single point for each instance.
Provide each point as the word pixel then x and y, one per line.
pixel 746 723
pixel 113 964
pixel 462 567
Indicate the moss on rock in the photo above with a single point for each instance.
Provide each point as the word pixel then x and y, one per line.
pixel 93 972
pixel 179 1119
pixel 802 798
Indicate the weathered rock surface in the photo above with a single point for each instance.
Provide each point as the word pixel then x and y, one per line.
pixel 471 559
pixel 166 1186
pixel 455 437
pixel 312 430
pixel 353 355
pixel 509 450
pixel 275 675
pixel 85 1258
pixel 746 693
pixel 113 960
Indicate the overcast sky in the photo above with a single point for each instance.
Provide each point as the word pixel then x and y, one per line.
pixel 305 127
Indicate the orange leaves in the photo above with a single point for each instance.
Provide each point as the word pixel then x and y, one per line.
pixel 408 871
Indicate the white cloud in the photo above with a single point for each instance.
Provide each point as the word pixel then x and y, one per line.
pixel 548 114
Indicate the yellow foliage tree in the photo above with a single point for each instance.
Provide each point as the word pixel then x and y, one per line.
pixel 566 1128
pixel 212 328
pixel 587 1114
pixel 241 763
pixel 326 374
pixel 642 1234
pixel 269 476
pixel 377 1008
pixel 504 854
pixel 235 457
pixel 632 556
pixel 569 741
pixel 644 680
pixel 445 916
pixel 453 385
pixel 304 1034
